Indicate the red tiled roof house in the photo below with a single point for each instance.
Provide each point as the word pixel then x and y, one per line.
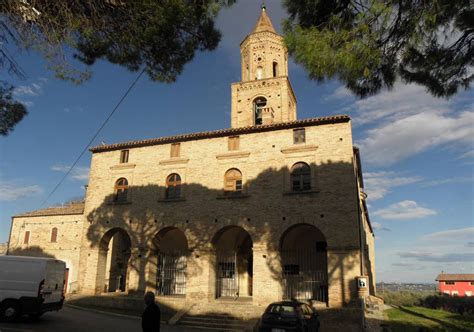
pixel 456 284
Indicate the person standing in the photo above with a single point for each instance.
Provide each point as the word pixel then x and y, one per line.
pixel 152 315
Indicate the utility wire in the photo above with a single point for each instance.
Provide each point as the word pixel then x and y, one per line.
pixel 94 137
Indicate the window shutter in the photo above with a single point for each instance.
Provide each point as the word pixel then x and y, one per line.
pixel 175 150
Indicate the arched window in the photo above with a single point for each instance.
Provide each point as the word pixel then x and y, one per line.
pixel 173 186
pixel 275 69
pixel 259 73
pixel 301 177
pixel 258 106
pixel 54 235
pixel 121 190
pixel 233 182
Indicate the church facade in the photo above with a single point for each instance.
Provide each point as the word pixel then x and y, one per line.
pixel 272 208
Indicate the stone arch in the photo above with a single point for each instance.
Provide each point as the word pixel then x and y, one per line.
pixel 233 248
pixel 258 104
pixel 113 263
pixel 170 253
pixel 303 251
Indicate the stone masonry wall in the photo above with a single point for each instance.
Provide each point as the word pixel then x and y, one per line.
pixel 66 248
pixel 266 211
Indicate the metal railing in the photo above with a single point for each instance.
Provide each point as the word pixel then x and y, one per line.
pixel 305 275
pixel 171 275
pixel 227 279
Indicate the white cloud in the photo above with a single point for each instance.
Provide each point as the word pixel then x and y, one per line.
pixel 34 89
pixel 378 226
pixel 459 179
pixel 379 184
pixel 79 173
pixel 406 137
pixel 340 93
pixel 468 154
pixel 453 236
pixel 438 257
pixel 404 210
pixel 12 192
pixel 395 104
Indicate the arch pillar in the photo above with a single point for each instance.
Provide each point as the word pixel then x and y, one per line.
pixel 136 279
pixel 267 272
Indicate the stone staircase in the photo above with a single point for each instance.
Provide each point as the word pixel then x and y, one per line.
pixel 243 316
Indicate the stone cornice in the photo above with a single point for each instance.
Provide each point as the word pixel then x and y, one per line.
pixel 233 155
pixel 299 148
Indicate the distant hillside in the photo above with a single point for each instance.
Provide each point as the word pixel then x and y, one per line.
pixel 413 287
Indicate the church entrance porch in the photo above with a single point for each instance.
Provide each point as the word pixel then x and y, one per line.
pixel 304 264
pixel 234 263
pixel 171 262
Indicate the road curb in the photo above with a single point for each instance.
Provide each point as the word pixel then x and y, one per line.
pixel 100 311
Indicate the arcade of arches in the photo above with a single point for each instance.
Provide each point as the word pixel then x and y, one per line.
pixel 302 253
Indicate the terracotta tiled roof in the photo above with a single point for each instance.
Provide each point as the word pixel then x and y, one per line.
pixel 264 23
pixel 72 208
pixel 223 133
pixel 455 277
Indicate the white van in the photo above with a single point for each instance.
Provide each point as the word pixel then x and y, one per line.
pixel 30 285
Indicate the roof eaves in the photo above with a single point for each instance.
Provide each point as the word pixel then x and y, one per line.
pixel 222 133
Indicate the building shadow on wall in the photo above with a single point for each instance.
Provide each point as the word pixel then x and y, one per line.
pixel 147 224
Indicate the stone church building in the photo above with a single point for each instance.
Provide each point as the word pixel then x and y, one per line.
pixel 271 208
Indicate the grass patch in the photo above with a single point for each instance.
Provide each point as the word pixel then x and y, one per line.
pixel 416 319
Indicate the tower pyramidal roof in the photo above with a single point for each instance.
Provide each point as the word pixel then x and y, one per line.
pixel 264 23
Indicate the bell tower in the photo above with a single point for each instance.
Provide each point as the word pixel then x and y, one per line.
pixel 264 95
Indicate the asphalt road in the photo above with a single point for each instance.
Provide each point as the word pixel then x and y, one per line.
pixel 75 320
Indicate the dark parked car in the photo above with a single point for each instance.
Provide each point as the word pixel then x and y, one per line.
pixel 289 316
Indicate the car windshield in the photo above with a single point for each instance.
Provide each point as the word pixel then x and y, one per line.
pixel 281 308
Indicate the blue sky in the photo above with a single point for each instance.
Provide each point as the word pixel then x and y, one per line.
pixel 417 150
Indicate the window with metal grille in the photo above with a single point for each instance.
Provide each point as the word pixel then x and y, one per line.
pixel 175 150
pixel 121 190
pixel 301 177
pixel 449 283
pixel 233 143
pixel 124 156
pixel 26 240
pixel 54 235
pixel 299 136
pixel 173 186
pixel 233 182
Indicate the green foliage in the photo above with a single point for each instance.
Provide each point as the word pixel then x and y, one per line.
pixel 11 111
pixel 370 44
pixel 159 36
pixel 459 305
pixel 405 298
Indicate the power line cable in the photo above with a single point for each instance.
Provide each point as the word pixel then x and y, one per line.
pixel 94 137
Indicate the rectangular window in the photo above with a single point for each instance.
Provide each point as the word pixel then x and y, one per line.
pixel 468 293
pixel 124 156
pixel 233 143
pixel 175 150
pixel 449 283
pixel 299 136
pixel 27 237
pixel 472 283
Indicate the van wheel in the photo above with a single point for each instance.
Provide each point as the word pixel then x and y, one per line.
pixel 9 311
